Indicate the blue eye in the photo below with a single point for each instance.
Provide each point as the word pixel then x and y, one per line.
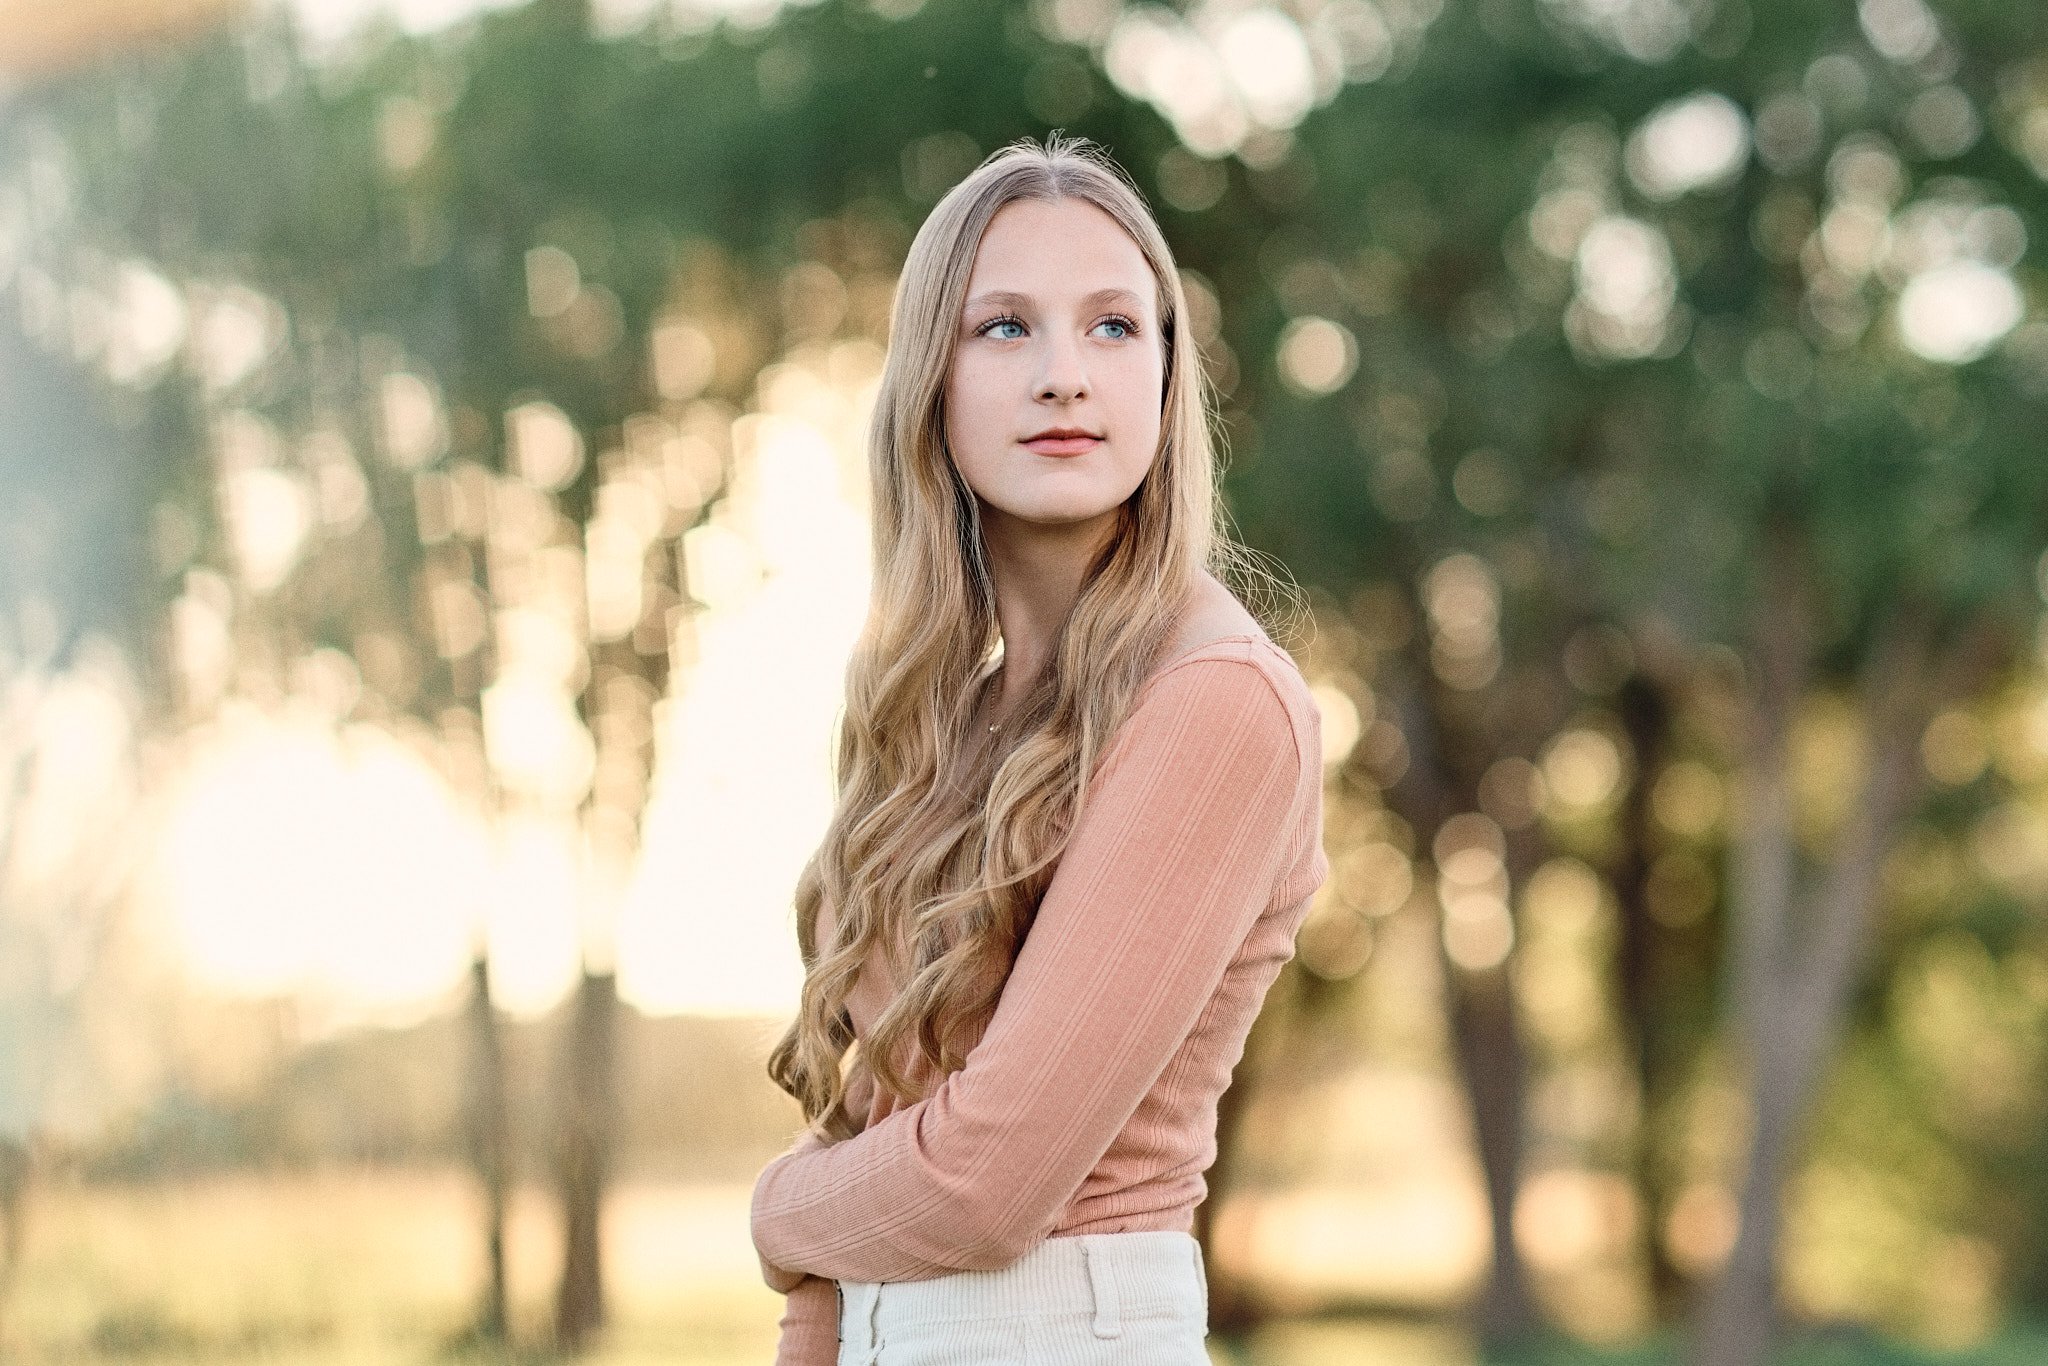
pixel 1128 328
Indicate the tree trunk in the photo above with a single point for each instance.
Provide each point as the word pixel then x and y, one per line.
pixel 1793 1023
pixel 489 1142
pixel 1231 1310
pixel 1270 1072
pixel 1638 970
pixel 587 1127
pixel 1790 992
pixel 1736 1322
pixel 1491 1060
pixel 16 1156
pixel 1443 780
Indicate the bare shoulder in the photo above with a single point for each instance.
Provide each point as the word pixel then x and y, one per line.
pixel 1217 623
pixel 1224 643
pixel 1214 615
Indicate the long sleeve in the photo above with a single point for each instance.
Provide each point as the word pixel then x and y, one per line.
pixel 857 1102
pixel 1175 855
pixel 783 1278
pixel 810 1324
pixel 808 1332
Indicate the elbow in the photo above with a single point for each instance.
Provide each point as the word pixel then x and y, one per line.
pixel 963 1235
pixel 996 1246
pixel 766 1228
pixel 988 1255
pixel 780 1279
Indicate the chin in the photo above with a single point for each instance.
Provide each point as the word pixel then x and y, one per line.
pixel 1060 514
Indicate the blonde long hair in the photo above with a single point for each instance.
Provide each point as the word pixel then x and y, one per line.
pixel 941 842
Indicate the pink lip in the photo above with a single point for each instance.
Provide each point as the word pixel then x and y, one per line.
pixel 1063 445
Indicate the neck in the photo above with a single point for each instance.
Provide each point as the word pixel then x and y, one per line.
pixel 1037 569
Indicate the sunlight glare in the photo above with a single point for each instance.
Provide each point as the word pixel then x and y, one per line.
pixel 298 860
pixel 744 792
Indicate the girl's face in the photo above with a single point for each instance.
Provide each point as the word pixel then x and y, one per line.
pixel 1061 336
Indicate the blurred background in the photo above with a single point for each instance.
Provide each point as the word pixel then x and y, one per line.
pixel 432 527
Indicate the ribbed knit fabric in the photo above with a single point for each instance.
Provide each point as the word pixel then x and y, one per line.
pixel 1088 1104
pixel 1092 1299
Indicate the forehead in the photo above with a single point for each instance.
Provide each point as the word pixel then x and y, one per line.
pixel 1055 251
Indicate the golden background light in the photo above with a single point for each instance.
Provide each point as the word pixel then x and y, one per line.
pixel 336 866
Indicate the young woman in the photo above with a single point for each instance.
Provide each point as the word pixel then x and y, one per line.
pixel 1054 891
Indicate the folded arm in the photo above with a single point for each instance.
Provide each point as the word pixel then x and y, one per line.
pixel 808 1332
pixel 857 1102
pixel 809 1328
pixel 1173 860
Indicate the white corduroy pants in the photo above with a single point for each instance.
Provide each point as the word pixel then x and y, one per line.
pixel 1090 1299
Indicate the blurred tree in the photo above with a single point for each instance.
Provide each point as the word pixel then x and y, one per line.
pixel 488 1131
pixel 1639 271
pixel 77 655
pixel 588 1132
pixel 1610 349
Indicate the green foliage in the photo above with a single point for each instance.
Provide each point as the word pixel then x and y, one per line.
pixel 1414 231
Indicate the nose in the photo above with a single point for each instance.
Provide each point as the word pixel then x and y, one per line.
pixel 1062 376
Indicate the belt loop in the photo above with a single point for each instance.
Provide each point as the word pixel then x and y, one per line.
pixel 1109 1321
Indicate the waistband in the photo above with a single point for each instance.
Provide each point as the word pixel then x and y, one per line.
pixel 1103 1275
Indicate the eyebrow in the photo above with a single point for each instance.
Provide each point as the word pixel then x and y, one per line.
pixel 1115 293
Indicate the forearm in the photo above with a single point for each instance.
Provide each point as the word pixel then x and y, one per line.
pixel 873 1208
pixel 798 1236
pixel 810 1325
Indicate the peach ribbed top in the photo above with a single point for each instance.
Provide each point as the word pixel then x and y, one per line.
pixel 1088 1104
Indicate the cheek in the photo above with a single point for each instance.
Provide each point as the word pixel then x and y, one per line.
pixel 1141 388
pixel 971 404
pixel 973 385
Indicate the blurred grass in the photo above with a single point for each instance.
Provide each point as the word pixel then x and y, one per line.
pixel 349 1266
pixel 363 1266
pixel 2021 1345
